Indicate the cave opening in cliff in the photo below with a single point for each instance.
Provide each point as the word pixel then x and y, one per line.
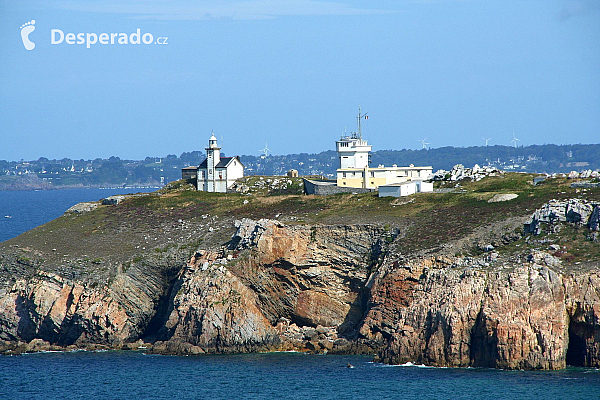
pixel 163 306
pixel 576 351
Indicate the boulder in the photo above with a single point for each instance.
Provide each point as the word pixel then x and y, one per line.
pixel 594 222
pixel 113 200
pixel 37 345
pixel 80 208
pixel 502 197
pixel 326 344
pixel 459 172
pixel 573 210
pixel 577 211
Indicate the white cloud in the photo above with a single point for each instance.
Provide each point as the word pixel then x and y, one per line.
pixel 211 9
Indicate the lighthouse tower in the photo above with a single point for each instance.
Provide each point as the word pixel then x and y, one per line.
pixel 213 157
pixel 353 151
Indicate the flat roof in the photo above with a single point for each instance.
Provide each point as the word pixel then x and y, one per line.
pixel 384 168
pixel 397 184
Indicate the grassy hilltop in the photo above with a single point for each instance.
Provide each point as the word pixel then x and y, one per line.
pixel 159 228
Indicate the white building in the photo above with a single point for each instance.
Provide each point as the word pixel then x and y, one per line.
pixel 405 189
pixel 353 165
pixel 353 152
pixel 216 173
pixel 397 189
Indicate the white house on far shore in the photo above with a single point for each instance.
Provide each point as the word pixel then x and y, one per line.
pixel 216 173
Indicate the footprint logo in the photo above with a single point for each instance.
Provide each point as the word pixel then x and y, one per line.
pixel 26 29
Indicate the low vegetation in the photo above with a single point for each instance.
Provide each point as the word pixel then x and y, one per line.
pixel 175 221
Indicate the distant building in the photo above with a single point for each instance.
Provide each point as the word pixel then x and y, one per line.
pixel 354 171
pixel 216 173
pixel 405 189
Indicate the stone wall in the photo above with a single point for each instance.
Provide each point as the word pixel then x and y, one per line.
pixel 323 188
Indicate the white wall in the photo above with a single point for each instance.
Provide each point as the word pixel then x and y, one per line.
pixel 407 189
pixel 389 191
pixel 424 187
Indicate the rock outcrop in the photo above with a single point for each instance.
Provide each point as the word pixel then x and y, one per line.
pixel 272 288
pixel 64 312
pixel 457 313
pixel 497 198
pixel 574 211
pixel 459 172
pixel 80 208
pixel 328 288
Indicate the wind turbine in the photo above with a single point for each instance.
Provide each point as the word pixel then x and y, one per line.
pixel 515 140
pixel 486 141
pixel 423 142
pixel 266 151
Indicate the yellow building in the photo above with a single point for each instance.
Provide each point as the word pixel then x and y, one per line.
pixel 353 165
pixel 375 177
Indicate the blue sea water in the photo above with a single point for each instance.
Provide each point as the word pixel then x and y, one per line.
pixel 31 208
pixel 134 375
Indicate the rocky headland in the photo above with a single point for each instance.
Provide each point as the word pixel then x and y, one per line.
pixel 446 279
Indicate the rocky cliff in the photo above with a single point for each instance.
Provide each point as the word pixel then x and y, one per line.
pixel 516 314
pixel 513 300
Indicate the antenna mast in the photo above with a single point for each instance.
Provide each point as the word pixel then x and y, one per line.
pixel 358 118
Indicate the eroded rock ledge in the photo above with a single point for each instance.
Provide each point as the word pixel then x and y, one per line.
pixel 324 289
pixel 457 312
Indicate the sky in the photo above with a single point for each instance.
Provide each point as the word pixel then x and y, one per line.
pixel 293 73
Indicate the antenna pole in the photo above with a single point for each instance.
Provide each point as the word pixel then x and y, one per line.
pixel 358 119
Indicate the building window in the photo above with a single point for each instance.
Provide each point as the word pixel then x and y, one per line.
pixel 372 174
pixel 343 174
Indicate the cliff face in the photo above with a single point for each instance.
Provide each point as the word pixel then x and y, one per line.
pixel 275 287
pixel 335 288
pixel 60 311
pixel 524 315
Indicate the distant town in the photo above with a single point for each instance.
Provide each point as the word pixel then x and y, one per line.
pixel 46 173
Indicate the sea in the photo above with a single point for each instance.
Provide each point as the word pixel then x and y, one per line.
pixel 22 210
pixel 135 375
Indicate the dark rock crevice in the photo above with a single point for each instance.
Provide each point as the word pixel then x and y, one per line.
pixel 583 348
pixel 155 328
pixel 482 351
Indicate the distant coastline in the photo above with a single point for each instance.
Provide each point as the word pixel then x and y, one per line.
pixel 153 172
pixel 29 187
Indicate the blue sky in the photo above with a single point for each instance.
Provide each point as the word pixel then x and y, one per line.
pixel 293 73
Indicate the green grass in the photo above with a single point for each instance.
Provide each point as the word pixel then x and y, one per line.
pixel 432 219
